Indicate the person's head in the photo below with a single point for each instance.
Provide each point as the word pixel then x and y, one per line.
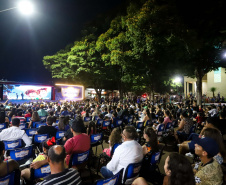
pixel 2 150
pixel 115 136
pixel 216 135
pixel 77 126
pixel 41 106
pixel 184 114
pixel 16 122
pixel 91 128
pixel 47 144
pixel 206 147
pixel 167 113
pixel 151 137
pixel 222 115
pixel 212 122
pixel 19 113
pixel 160 119
pixel 51 113
pixel 29 111
pixel 129 133
pixel 35 116
pixel 49 120
pixel 56 155
pixel 179 170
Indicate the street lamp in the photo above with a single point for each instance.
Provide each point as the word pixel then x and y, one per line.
pixel 177 80
pixel 25 7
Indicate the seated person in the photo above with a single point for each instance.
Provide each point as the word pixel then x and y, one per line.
pixel 128 152
pixel 34 118
pixel 14 133
pixel 60 175
pixel 8 166
pixel 46 145
pixel 151 144
pixel 208 171
pixel 91 128
pixel 48 129
pixel 42 112
pixel 80 142
pixel 156 125
pixel 28 114
pixel 114 138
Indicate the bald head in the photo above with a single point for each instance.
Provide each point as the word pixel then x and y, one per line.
pixel 57 154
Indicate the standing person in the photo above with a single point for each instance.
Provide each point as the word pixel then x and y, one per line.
pixel 208 171
pixel 17 96
pixel 130 151
pixel 22 95
pixel 60 175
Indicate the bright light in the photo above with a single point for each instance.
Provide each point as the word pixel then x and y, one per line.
pixel 224 55
pixel 26 7
pixel 177 80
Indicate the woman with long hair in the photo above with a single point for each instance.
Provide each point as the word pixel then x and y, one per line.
pixel 34 118
pixel 12 113
pixel 114 138
pixel 151 144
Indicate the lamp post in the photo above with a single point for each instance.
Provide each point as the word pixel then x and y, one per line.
pixel 25 7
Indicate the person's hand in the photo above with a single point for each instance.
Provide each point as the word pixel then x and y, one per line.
pixel 6 119
pixel 36 165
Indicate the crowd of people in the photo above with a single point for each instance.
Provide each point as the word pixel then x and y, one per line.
pixel 135 144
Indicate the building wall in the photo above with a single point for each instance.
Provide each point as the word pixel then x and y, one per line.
pixel 217 80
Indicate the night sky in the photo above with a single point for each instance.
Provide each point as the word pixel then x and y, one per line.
pixel 25 40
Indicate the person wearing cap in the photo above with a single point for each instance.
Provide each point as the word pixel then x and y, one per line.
pixel 14 133
pixel 80 142
pixel 42 112
pixel 208 171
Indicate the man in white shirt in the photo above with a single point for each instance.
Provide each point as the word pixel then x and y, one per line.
pixel 130 151
pixel 14 133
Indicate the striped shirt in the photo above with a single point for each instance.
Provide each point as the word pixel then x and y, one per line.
pixel 68 176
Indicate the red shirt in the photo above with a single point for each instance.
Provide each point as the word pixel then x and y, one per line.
pixel 27 115
pixel 77 144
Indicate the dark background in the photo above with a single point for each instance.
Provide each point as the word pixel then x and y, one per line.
pixel 25 40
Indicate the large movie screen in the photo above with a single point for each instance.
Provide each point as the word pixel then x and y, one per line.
pixel 70 93
pixel 26 92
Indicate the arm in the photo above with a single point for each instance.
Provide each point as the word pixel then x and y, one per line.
pixel 68 147
pixel 181 125
pixel 26 140
pixel 38 164
pixel 114 161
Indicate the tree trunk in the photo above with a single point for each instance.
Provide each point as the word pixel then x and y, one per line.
pixel 199 75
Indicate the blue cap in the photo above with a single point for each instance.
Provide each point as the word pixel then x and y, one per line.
pixel 209 145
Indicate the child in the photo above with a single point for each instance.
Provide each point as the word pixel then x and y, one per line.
pixel 156 125
pixel 46 145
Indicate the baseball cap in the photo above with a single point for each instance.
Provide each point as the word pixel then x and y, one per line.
pixel 209 145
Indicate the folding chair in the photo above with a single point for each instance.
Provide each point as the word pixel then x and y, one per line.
pixel 99 122
pixel 28 119
pixel 160 131
pixel 131 173
pixel 96 139
pixel 118 123
pixel 80 160
pixel 3 126
pixel 114 147
pixel 31 131
pixel 59 136
pixel 9 145
pixel 40 172
pixel 9 179
pixel 22 155
pixel 114 180
pixel 34 124
pixel 23 126
pixel 37 125
pixel 43 118
pixel 39 138
pixel 130 119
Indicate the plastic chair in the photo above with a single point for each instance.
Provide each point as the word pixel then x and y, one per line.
pixel 31 131
pixel 28 119
pixel 118 123
pixel 87 119
pixel 9 145
pixel 96 139
pixel 37 125
pixel 23 126
pixel 106 123
pixel 39 138
pixel 99 122
pixel 3 126
pixel 59 134
pixel 8 179
pixel 22 155
pixel 40 172
pixel 168 127
pixel 114 147
pixel 114 180
pixel 130 119
pixel 131 172
pixel 140 125
pixel 80 160
pixel 43 118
